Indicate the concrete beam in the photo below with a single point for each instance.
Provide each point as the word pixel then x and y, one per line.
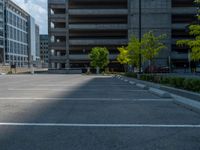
pixel 98 26
pixel 98 12
pixel 184 10
pixel 99 42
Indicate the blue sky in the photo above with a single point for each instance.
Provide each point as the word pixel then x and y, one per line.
pixel 37 9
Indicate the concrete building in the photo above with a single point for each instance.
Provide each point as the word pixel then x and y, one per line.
pixel 2 54
pixel 34 45
pixel 44 50
pixel 16 36
pixel 37 43
pixel 75 26
pixel 183 14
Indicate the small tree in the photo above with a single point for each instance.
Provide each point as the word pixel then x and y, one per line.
pixel 193 44
pixel 130 55
pixel 152 45
pixel 134 50
pixel 123 57
pixel 99 58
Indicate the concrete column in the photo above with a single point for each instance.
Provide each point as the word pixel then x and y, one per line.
pixel 53 65
pixel 58 53
pixel 58 65
pixel 67 35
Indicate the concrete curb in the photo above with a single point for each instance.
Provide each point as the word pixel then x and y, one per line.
pixel 142 86
pixel 125 80
pixel 160 93
pixel 187 103
pixel 156 89
pixel 131 82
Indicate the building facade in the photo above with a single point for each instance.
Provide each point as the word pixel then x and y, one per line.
pixel 44 50
pixel 15 35
pixel 2 48
pixel 184 13
pixel 75 26
pixel 37 42
pixel 34 44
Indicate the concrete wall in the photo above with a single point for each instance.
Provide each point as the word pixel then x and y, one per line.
pixel 156 16
pixel 7 69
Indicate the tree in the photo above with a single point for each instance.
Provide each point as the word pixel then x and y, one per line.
pixel 130 55
pixel 152 45
pixel 149 47
pixel 134 50
pixel 193 44
pixel 123 57
pixel 99 58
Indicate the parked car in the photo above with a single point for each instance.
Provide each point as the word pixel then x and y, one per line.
pixel 155 69
pixel 164 70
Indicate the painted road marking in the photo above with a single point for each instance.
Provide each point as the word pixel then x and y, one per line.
pixel 72 85
pixel 100 125
pixel 69 89
pixel 84 99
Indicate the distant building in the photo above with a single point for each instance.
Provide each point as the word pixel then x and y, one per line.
pixel 16 37
pixel 34 46
pixel 2 53
pixel 44 50
pixel 19 40
pixel 37 42
pixel 77 26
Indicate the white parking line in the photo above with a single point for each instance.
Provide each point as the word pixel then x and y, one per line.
pixel 68 89
pixel 84 99
pixel 100 125
pixel 72 85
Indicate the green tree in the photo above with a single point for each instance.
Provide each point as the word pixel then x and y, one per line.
pixel 130 55
pixel 193 44
pixel 123 57
pixel 134 50
pixel 99 58
pixel 152 45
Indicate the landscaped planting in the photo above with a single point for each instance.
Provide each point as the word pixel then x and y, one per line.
pixel 191 84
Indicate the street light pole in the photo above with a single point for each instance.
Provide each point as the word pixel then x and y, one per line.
pixel 140 35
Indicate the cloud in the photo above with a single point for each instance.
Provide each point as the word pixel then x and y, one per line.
pixel 38 10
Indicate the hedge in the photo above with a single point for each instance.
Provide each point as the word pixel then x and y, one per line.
pixel 133 75
pixel 191 84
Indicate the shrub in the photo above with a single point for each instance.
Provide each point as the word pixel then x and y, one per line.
pixel 10 72
pixel 178 82
pixel 164 80
pixel 131 74
pixel 192 85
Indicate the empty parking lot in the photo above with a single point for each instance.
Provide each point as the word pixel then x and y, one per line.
pixel 77 112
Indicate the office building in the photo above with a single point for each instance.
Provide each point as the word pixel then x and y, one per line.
pixel 34 45
pixel 2 53
pixel 75 26
pixel 16 38
pixel 44 50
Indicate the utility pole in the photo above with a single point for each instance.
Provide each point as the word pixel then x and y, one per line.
pixel 140 35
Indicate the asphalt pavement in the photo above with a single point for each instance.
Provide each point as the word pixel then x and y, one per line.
pixel 77 112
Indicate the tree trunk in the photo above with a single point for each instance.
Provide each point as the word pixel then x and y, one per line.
pixel 150 70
